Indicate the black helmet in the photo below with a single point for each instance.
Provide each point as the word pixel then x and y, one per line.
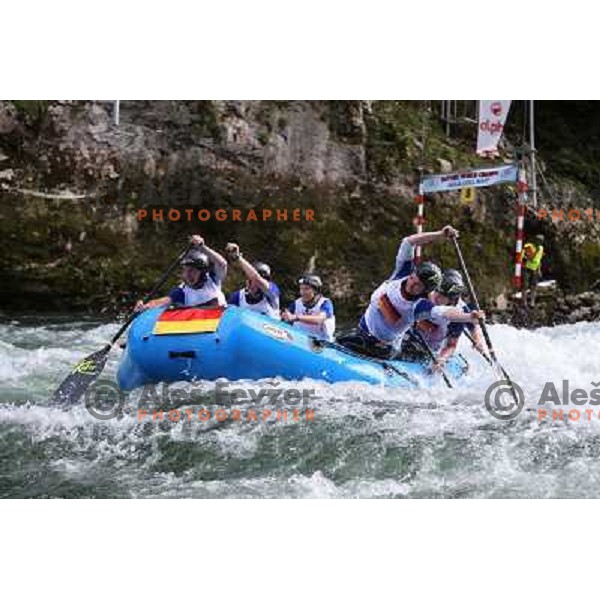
pixel 313 280
pixel 452 284
pixel 430 275
pixel 196 259
pixel 263 269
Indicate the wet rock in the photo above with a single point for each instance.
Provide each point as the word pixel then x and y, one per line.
pixel 501 302
pixel 589 299
pixel 8 118
pixel 353 162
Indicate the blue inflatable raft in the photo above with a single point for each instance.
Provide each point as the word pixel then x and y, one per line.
pixel 167 345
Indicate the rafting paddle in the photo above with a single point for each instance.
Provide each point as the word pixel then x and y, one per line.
pixel 417 335
pixel 86 371
pixel 494 360
pixel 483 354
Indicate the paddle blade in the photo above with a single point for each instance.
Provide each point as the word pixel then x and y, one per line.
pixel 86 371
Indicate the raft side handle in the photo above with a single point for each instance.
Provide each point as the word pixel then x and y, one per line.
pixel 182 354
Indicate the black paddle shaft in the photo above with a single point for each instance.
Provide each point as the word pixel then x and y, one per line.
pixel 151 293
pixel 486 335
pixel 463 267
pixel 417 334
pixel 472 340
pixel 88 370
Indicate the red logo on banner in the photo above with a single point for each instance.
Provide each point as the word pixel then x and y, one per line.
pixel 496 109
pixel 491 127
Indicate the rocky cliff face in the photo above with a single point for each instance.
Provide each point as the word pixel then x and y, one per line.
pixel 71 183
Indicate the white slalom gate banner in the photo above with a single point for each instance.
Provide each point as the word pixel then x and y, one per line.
pixel 475 178
pixel 492 117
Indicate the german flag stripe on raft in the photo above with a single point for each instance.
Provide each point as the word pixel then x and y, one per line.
pixel 188 320
pixel 388 310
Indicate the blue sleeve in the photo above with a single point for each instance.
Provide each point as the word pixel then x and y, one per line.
pixel 423 309
pixel 272 295
pixel 327 308
pixel 404 261
pixel 234 298
pixel 455 330
pixel 470 326
pixel 292 307
pixel 177 296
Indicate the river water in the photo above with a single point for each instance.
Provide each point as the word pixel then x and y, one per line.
pixel 363 441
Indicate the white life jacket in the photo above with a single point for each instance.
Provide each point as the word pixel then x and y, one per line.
pixel 434 330
pixel 389 313
pixel 209 291
pixel 264 307
pixel 325 330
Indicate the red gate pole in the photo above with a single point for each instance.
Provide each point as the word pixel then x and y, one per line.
pixel 419 219
pixel 521 205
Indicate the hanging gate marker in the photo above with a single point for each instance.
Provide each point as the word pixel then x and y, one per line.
pixel 467 182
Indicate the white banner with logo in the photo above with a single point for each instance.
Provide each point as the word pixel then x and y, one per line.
pixel 492 117
pixel 475 178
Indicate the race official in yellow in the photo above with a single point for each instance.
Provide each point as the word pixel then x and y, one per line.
pixel 532 267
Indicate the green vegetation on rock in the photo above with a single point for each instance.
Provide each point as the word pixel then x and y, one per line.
pixel 92 253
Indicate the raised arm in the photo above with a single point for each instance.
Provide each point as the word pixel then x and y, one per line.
pixel 420 239
pixel 218 262
pixel 233 251
pixel 405 256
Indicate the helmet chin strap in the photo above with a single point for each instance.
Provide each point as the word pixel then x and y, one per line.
pixel 200 283
pixel 254 295
pixel 408 295
pixel 312 302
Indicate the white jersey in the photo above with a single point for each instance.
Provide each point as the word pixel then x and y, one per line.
pixel 264 307
pixel 389 313
pixel 209 291
pixel 435 329
pixel 326 329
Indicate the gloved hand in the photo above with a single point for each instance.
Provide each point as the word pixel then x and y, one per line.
pixel 450 232
pixel 233 251
pixel 439 365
